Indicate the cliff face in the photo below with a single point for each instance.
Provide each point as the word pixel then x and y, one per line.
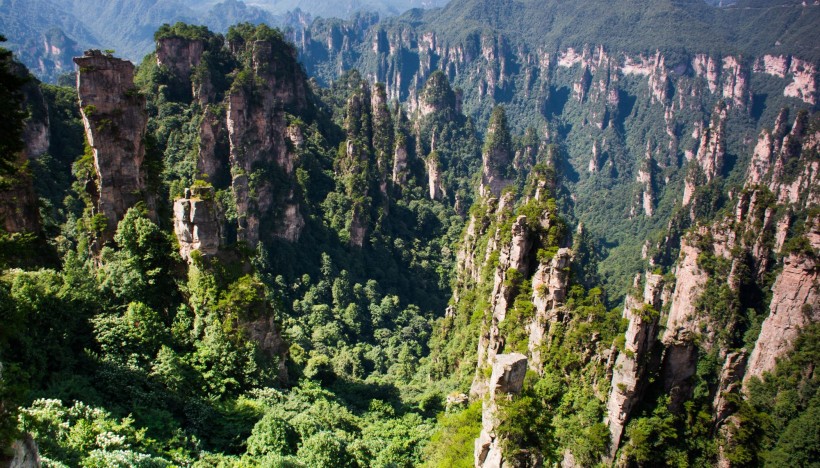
pixel 114 116
pixel 549 291
pixel 180 56
pixel 795 304
pixel 628 377
pixel 506 381
pixel 196 223
pixel 497 157
pixel 710 154
pixel 256 125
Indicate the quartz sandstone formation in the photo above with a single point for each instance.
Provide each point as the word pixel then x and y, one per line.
pixel 630 366
pixel 196 223
pixel 795 304
pixel 496 161
pixel 181 56
pixel 513 256
pixel 709 156
pixel 256 125
pixel 434 183
pixel 506 381
pixel 114 116
pixel 26 453
pixel 549 291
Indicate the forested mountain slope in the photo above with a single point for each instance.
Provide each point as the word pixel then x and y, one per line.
pixel 481 248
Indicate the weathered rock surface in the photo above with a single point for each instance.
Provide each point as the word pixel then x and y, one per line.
pixel 506 381
pixel 256 124
pixel 710 154
pixel 795 304
pixel 114 116
pixel 196 223
pixel 26 453
pixel 180 56
pixel 630 365
pixel 496 162
pixel 434 183
pixel 513 256
pixel 549 291
pixel 729 383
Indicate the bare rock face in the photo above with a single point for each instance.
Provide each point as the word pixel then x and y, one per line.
pixel 180 56
pixel 382 140
pixel 257 130
pixel 497 157
pixel 804 81
pixel 400 159
pixel 214 150
pixel 196 223
pixel 434 183
pixel 710 154
pixel 513 256
pixel 26 453
pixel 358 229
pixel 735 83
pixel 549 285
pixel 795 304
pixel 506 381
pixel 629 370
pixel 683 324
pixel 729 383
pixel 644 179
pixel 114 117
pixel 705 66
pixel 683 320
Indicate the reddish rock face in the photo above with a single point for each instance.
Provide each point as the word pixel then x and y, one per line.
pixel 114 118
pixel 795 304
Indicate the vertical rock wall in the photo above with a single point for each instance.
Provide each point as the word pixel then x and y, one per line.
pixel 114 116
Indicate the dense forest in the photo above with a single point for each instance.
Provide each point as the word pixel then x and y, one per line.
pixel 223 257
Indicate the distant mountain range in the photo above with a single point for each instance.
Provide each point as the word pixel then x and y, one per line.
pixel 46 34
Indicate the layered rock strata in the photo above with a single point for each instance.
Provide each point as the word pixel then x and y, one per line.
pixel 114 116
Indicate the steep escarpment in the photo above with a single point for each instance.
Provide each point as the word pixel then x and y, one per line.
pixel 630 369
pixel 256 119
pixel 642 129
pixel 114 116
pixel 682 364
pixel 326 276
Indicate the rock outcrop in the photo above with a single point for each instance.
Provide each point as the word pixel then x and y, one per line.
pixel 795 304
pixel 549 291
pixel 434 183
pixel 497 157
pixel 114 116
pixel 256 124
pixel 506 381
pixel 180 56
pixel 513 261
pixel 710 154
pixel 26 453
pixel 196 223
pixel 630 366
pixel 731 375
